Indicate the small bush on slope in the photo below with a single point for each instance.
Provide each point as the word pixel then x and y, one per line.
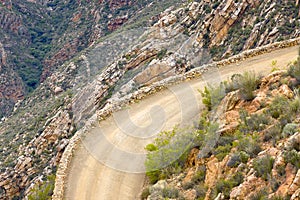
pixel 292 157
pixel 224 186
pixel 245 83
pixel 212 96
pixel 44 191
pixel 168 153
pixel 263 166
pixel 294 70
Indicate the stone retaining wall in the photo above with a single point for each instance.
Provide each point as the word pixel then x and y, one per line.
pixel 114 106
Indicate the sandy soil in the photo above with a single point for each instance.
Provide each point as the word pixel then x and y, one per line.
pixel 108 164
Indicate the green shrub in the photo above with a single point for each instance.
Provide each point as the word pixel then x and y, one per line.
pixel 234 160
pixel 203 122
pixel 224 186
pixel 249 144
pixel 211 137
pixel 292 157
pixel 274 183
pixel 244 157
pixel 280 169
pixel 279 106
pixel 188 185
pixel 151 147
pixel 200 174
pixel 169 156
pixel 200 191
pixel 153 176
pixel 232 84
pixel 289 129
pixel 247 83
pixel 260 195
pixel 226 138
pixel 212 96
pixel 295 103
pixel 222 151
pixel 145 193
pixel 161 54
pixel 263 166
pixel 44 191
pixel 170 192
pixel 237 179
pixel 294 70
pixel 272 133
pixel 254 122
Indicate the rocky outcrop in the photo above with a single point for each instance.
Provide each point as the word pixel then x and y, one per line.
pixel 116 23
pixel 56 133
pixel 11 89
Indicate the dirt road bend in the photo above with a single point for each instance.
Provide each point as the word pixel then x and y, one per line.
pixel 108 165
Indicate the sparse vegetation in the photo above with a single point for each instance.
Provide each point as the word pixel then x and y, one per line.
pixel 294 70
pixel 249 144
pixel 198 178
pixel 169 155
pixel 161 54
pixel 170 192
pixel 292 157
pixel 224 186
pixel 145 193
pixel 211 96
pixel 200 191
pixel 271 123
pixel 263 166
pixel 43 191
pixel 262 194
pixel 247 83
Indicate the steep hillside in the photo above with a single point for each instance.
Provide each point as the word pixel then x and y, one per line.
pixel 38 36
pixel 245 145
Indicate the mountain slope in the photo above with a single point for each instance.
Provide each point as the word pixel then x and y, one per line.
pixel 38 36
pixel 180 38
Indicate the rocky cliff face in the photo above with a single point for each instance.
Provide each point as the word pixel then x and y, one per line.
pixel 180 38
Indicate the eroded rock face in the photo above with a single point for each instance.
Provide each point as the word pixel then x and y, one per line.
pixel 11 89
pixel 12 182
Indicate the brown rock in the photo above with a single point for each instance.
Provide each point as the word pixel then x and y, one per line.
pixel 214 170
pixel 232 116
pixel 190 194
pixel 286 91
pixel 192 157
pixel 141 58
pixel 296 195
pixel 58 90
pixel 189 175
pixel 116 23
pixel 251 183
pixel 290 176
pixel 296 183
